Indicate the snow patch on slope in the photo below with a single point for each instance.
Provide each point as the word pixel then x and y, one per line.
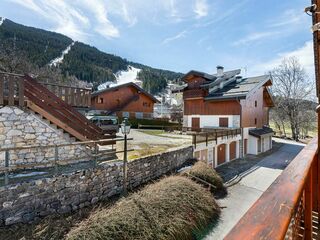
pixel 59 60
pixel 122 77
pixel 2 20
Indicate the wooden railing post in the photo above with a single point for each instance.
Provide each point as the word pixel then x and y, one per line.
pixel 1 89
pixel 21 92
pixel 308 207
pixel 11 90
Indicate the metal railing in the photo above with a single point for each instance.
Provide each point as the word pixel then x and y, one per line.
pixel 53 161
pixel 289 208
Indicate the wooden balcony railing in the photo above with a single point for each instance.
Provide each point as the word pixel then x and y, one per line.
pixel 11 89
pixel 209 135
pixel 193 93
pixel 74 96
pixel 290 206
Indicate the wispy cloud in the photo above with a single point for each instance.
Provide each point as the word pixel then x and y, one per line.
pixel 201 8
pixel 289 17
pixel 173 38
pixel 303 53
pixel 256 36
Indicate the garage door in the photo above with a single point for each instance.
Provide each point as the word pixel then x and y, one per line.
pixel 232 150
pixel 221 154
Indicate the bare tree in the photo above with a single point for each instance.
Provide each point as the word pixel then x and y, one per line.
pixel 291 87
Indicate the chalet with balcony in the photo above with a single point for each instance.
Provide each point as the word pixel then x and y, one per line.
pixel 226 101
pixel 126 100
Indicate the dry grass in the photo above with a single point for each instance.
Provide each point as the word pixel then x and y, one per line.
pixel 173 208
pixel 201 170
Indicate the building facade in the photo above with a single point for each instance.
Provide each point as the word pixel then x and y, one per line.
pixel 225 100
pixel 126 100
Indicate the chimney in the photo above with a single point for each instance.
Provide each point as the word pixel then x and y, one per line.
pixel 238 79
pixel 220 71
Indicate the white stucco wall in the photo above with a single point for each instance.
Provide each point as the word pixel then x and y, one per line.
pixel 212 120
pixel 252 145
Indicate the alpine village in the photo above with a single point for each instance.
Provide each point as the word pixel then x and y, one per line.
pixel 224 145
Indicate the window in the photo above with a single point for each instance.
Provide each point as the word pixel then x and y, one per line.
pixel 223 122
pixel 255 121
pixel 255 103
pixel 100 100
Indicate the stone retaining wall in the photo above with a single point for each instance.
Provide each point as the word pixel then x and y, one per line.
pixel 24 128
pixel 28 201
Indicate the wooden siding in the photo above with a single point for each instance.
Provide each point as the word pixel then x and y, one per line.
pixel 113 99
pixel 221 154
pixel 252 111
pixel 201 107
pixel 232 150
pixel 223 122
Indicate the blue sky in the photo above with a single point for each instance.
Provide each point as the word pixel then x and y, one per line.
pixel 180 35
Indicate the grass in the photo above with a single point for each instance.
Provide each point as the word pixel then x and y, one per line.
pixel 201 170
pixel 172 208
pixel 311 133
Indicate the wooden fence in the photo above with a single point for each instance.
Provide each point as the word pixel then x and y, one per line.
pixel 213 135
pixel 11 89
pixel 74 96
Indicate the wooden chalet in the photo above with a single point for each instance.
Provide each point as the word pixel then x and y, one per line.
pixel 126 100
pixel 289 208
pixel 227 101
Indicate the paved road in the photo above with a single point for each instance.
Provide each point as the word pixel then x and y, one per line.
pixel 242 195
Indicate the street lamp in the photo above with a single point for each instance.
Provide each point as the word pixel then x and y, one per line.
pixel 125 129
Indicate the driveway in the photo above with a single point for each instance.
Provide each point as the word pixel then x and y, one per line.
pixel 254 182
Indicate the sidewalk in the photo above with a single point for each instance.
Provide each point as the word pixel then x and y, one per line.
pixel 242 195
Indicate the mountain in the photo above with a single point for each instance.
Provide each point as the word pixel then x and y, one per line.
pixel 87 63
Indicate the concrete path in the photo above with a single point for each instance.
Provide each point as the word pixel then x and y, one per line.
pixel 242 195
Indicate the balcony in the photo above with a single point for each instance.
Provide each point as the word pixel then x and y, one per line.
pixel 289 208
pixel 194 93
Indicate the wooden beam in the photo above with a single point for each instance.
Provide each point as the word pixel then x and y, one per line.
pixel 11 81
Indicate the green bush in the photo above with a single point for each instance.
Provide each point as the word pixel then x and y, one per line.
pixel 173 208
pixel 201 170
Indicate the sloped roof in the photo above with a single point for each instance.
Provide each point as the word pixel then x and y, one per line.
pixel 258 132
pixel 238 89
pixel 94 94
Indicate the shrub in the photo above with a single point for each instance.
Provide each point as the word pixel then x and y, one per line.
pixel 201 170
pixel 173 208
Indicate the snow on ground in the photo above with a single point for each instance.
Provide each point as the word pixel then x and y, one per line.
pixel 2 20
pixel 122 77
pixel 58 60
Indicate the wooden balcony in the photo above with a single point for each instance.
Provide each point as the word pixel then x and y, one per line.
pixel 290 207
pixel 194 93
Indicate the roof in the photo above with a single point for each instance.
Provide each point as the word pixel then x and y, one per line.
pixel 97 93
pixel 210 77
pixel 238 90
pixel 258 132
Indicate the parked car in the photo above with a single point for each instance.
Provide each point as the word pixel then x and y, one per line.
pixel 108 123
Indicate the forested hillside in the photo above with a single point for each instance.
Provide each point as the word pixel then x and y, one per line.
pixel 85 62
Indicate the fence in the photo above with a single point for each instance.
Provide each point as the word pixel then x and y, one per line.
pixel 213 135
pixel 11 89
pixel 53 162
pixel 74 96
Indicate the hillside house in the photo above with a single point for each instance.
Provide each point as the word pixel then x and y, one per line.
pixel 227 101
pixel 126 100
